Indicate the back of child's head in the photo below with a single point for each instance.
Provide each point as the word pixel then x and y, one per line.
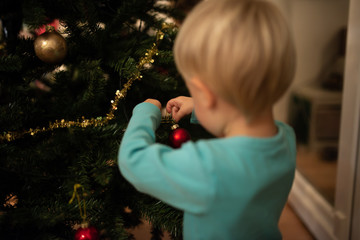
pixel 241 49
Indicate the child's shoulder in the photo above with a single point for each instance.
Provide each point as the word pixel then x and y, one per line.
pixel 285 134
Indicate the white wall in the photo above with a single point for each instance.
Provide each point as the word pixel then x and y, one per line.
pixel 315 24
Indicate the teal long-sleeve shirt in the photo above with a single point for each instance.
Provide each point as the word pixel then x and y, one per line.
pixel 228 188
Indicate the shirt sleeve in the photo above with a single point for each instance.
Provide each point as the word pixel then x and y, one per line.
pixel 179 177
pixel 193 118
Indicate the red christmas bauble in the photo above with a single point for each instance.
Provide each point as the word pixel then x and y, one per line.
pixel 178 136
pixel 87 233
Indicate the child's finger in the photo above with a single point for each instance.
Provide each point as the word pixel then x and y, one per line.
pixel 170 105
pixel 178 114
pixel 174 110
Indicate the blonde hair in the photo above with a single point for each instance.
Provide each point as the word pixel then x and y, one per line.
pixel 241 49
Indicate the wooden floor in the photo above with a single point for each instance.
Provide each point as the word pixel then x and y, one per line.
pixel 319 170
pixel 290 226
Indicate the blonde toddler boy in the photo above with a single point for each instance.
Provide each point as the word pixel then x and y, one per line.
pixel 237 60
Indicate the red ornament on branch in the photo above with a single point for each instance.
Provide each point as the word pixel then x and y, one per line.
pixel 86 232
pixel 54 23
pixel 178 136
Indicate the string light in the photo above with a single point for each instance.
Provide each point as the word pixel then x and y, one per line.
pixel 119 95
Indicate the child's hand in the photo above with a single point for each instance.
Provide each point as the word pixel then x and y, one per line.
pixel 154 101
pixel 180 107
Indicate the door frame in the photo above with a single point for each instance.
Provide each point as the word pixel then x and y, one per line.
pixel 340 221
pixel 347 194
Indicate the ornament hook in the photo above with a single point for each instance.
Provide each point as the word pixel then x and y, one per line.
pixel 76 195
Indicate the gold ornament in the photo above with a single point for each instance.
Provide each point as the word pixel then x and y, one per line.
pixel 50 47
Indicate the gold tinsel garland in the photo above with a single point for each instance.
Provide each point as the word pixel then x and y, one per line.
pixel 119 95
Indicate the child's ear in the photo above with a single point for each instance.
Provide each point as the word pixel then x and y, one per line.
pixel 206 95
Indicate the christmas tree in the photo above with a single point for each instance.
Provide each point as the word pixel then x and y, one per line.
pixel 66 96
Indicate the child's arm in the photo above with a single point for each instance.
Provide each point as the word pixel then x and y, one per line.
pixel 178 177
pixel 180 107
